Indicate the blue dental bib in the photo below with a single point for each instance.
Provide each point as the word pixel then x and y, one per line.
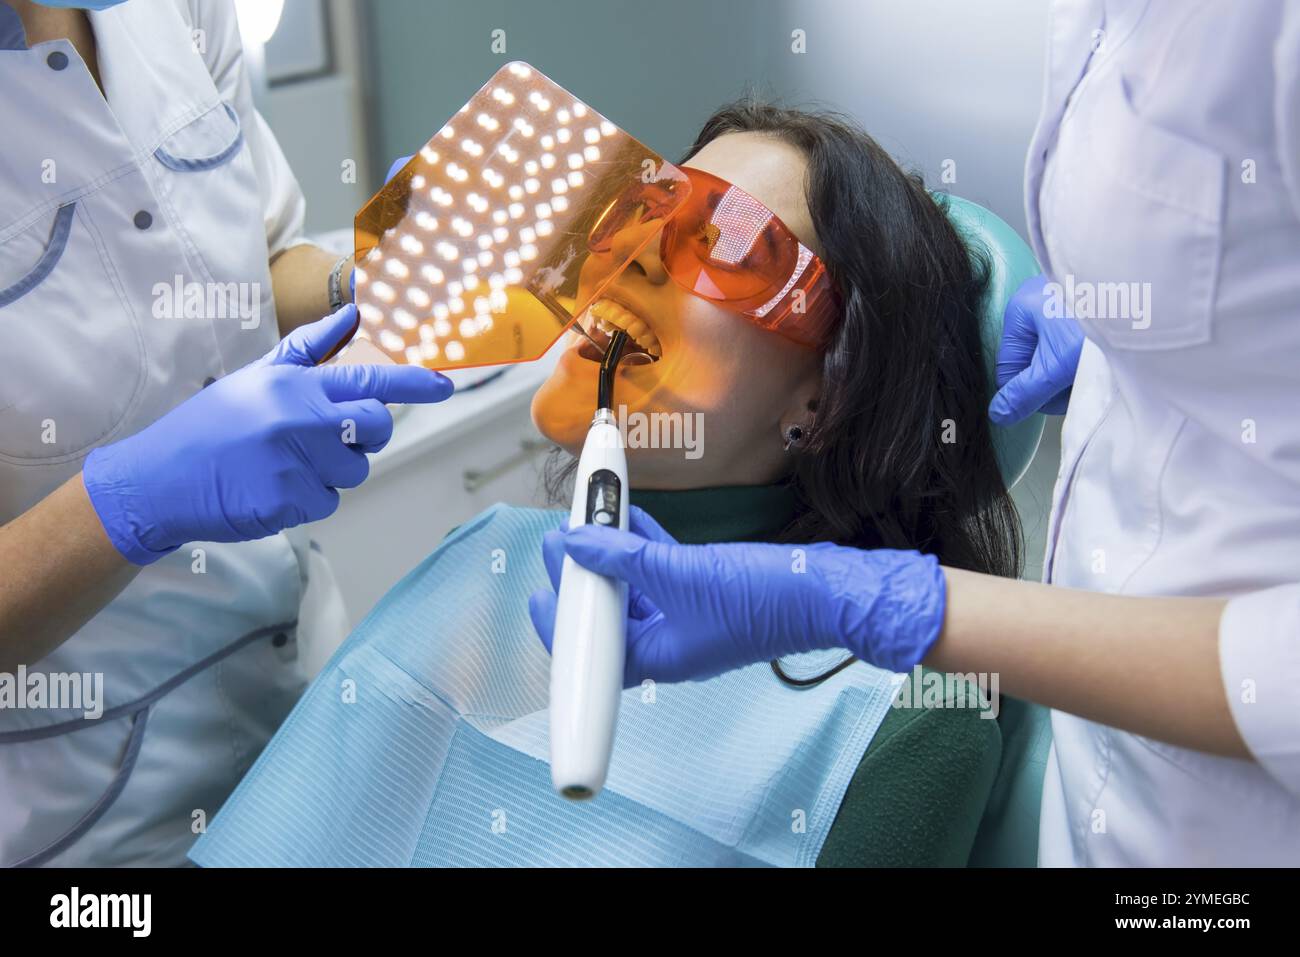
pixel 423 742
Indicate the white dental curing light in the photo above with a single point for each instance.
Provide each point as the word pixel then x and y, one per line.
pixel 590 635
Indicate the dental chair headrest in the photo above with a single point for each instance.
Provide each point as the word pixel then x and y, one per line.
pixel 1011 262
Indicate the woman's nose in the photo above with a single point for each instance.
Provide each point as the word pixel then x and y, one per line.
pixel 646 260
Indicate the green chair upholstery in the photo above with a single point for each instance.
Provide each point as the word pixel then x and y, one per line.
pixel 918 796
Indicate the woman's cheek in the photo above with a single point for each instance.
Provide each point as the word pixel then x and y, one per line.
pixel 738 375
pixel 705 358
pixel 556 414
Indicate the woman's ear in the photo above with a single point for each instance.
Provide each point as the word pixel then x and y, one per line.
pixel 801 410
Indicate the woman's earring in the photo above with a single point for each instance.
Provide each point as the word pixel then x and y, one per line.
pixel 793 435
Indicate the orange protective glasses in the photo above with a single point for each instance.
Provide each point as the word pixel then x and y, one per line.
pixel 723 245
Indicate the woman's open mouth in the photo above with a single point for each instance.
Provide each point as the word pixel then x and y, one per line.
pixel 603 318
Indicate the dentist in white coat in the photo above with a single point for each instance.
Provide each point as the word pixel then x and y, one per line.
pixel 154 450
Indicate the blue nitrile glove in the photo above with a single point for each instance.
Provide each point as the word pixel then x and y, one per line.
pixel 397 165
pixel 260 450
pixel 1037 358
pixel 695 611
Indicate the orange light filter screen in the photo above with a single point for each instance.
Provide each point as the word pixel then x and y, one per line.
pixel 470 255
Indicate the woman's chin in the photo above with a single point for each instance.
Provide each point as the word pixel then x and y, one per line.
pixel 563 405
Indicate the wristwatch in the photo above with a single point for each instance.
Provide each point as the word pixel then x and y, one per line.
pixel 336 285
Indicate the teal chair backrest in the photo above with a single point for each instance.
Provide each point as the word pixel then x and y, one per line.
pixel 1011 262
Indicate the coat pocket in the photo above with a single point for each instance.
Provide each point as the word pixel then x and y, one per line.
pixel 205 178
pixel 71 355
pixel 1140 210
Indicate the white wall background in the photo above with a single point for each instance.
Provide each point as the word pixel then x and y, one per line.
pixel 931 80
pixel 318 115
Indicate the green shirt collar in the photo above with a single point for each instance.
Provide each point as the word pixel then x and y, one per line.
pixel 728 514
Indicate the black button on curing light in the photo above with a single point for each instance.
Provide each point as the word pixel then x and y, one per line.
pixel 143 219
pixel 603 493
pixel 280 640
pixel 58 60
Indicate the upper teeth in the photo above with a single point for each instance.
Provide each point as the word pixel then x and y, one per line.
pixel 610 316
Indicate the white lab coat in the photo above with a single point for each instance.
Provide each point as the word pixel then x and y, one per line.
pixel 170 173
pixel 1171 156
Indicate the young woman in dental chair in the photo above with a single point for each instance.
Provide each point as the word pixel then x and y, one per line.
pixel 423 742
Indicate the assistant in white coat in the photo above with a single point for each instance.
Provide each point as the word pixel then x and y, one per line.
pixel 1167 159
pixel 169 176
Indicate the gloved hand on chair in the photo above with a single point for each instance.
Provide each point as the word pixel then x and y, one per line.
pixel 1037 359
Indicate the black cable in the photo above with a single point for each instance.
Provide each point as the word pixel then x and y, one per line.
pixel 810 682
pixel 608 364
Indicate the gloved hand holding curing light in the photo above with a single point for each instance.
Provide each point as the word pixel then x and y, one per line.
pixel 1037 358
pixel 261 450
pixel 696 611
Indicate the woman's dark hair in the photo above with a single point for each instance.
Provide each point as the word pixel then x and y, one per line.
pixel 900 454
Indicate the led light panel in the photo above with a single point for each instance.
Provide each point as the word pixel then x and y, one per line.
pixel 471 254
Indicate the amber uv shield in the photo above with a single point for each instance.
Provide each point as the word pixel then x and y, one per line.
pixel 471 254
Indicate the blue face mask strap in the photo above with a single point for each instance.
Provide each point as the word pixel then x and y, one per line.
pixel 138 711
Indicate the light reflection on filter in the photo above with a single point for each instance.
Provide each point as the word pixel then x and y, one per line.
pixel 470 255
